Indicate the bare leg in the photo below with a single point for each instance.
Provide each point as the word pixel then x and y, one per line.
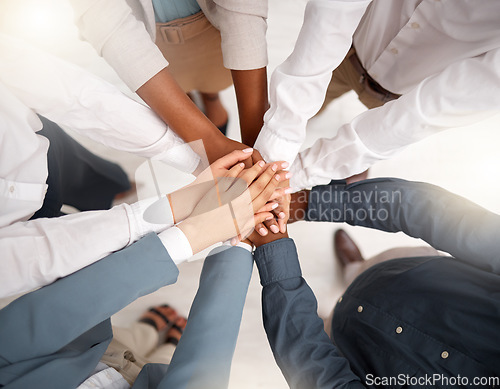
pixel 214 110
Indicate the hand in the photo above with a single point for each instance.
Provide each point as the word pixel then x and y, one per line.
pixel 222 146
pixel 298 206
pixel 236 217
pixel 281 212
pixel 183 201
pixel 258 240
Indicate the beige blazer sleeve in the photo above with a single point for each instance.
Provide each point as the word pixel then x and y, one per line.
pixel 243 26
pixel 122 34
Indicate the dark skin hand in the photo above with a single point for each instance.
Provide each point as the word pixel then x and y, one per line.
pixel 298 206
pixel 258 240
pixel 177 110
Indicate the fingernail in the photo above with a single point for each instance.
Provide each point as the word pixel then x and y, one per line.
pixel 261 163
pixel 249 150
pixel 274 167
pixel 288 175
pixel 284 165
pixel 233 242
pixel 262 231
pixel 275 205
pixel 281 215
pixel 274 229
pixel 277 176
pixel 288 190
pixel 269 218
pixel 242 164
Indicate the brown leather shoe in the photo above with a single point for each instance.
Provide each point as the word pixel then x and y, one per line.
pixel 345 249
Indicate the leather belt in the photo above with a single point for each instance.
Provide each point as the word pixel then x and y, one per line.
pixel 371 86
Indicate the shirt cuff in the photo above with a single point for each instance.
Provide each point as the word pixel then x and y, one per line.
pixel 176 244
pixel 140 227
pixel 277 261
pixel 274 148
pixel 242 245
pixel 181 156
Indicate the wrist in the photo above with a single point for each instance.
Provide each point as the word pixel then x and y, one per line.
pixel 298 205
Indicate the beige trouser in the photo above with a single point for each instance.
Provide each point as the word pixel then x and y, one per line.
pixel 131 348
pixel 346 78
pixel 192 46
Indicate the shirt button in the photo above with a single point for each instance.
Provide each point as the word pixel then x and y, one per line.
pixel 399 330
pixel 12 189
pixel 444 354
pixel 415 25
pixel 394 51
pixel 360 308
pixel 340 299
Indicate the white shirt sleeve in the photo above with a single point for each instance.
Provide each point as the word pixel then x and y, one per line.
pixel 243 26
pixel 177 244
pixel 298 86
pixel 119 37
pixel 72 97
pixel 38 252
pixel 464 93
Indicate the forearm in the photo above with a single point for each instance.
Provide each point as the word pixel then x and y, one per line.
pixel 443 101
pixel 251 95
pixel 170 102
pixel 444 220
pixel 303 351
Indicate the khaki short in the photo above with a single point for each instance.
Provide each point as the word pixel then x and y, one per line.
pixel 346 78
pixel 192 46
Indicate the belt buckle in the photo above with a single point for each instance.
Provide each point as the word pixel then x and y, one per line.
pixel 173 35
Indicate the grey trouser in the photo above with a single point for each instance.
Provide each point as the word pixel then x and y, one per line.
pixel 55 336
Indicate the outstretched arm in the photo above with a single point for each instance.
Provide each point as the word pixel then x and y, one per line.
pixel 302 349
pixel 444 220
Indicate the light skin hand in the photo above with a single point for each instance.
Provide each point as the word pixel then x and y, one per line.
pixel 203 229
pixel 184 200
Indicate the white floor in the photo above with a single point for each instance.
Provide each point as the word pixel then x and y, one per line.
pixel 465 161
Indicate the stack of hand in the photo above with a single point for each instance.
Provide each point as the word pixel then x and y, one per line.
pixel 228 200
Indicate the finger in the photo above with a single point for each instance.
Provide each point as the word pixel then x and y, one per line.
pixel 261 217
pixel 281 166
pixel 249 175
pixel 268 207
pixel 259 185
pixel 227 181
pixel 261 229
pixel 272 225
pixel 261 194
pixel 233 158
pixel 280 192
pixel 282 223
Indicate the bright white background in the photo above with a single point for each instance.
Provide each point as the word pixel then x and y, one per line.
pixel 465 161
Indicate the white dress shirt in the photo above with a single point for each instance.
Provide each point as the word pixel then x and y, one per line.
pixel 46 83
pixel 123 32
pixel 442 55
pixel 37 252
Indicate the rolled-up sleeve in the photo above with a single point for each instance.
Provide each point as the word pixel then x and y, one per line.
pixel 243 27
pixel 120 38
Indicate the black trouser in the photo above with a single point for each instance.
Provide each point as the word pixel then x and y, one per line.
pixel 76 176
